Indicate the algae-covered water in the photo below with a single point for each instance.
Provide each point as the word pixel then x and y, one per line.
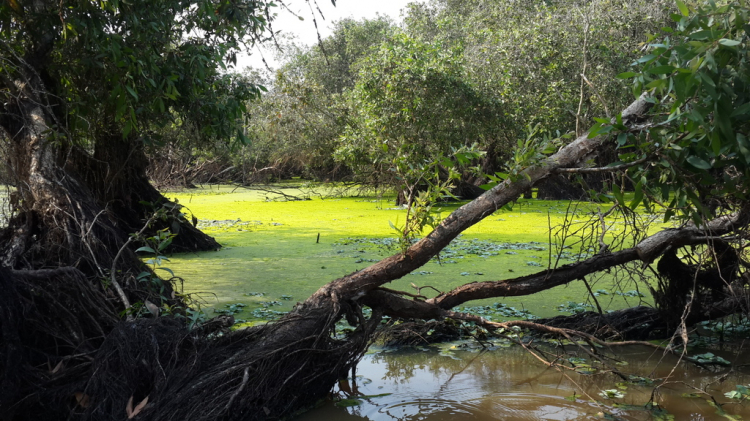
pixel 277 253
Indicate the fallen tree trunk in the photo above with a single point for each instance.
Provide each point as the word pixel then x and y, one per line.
pixel 399 265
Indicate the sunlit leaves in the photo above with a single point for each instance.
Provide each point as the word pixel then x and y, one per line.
pixel 412 105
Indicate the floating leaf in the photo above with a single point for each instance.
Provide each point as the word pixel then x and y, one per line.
pixel 345 403
pixel 611 394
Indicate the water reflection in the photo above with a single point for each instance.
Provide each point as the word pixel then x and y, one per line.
pixel 509 384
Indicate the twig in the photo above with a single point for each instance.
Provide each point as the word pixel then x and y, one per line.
pixel 129 317
pixel 393 291
pixel 604 104
pixel 588 287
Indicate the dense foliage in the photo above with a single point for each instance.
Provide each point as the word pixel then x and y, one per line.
pixel 696 147
pixel 454 74
pixel 412 106
pixel 133 67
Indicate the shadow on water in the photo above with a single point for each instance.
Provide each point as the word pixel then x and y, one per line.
pixel 510 384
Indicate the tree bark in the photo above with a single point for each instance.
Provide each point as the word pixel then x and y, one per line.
pixel 76 208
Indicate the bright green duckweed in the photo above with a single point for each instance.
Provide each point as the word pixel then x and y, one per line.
pixel 272 258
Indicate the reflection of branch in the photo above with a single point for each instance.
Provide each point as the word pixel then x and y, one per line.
pixel 444 385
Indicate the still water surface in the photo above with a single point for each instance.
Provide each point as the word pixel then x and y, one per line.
pixel 510 384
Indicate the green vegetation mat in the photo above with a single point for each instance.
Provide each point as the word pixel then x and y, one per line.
pixel 272 257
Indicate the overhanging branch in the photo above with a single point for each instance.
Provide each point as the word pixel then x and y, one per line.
pixel 394 267
pixel 647 250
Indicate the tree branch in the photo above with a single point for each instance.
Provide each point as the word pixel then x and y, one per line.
pixel 359 283
pixel 647 250
pixel 601 169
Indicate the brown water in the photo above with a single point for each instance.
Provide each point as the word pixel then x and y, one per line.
pixel 510 384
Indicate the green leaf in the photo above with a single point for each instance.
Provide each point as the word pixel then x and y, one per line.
pixel 729 42
pixel 645 59
pixel 242 138
pixel 637 197
pixel 345 403
pixel 168 270
pixel 145 249
pixel 132 92
pixel 741 110
pixel 626 75
pixel 744 147
pixel 683 8
pixel 698 162
pixel 164 244
pixel 733 395
pixel 658 83
pixel 618 194
pixel 661 70
pixel 376 396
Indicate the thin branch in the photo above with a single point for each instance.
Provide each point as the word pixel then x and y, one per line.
pixel 588 287
pixel 113 271
pixel 408 294
pixel 612 168
pixel 604 104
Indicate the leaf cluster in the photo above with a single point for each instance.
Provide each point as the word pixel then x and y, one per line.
pixel 696 74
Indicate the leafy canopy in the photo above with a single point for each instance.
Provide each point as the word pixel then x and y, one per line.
pixel 411 106
pixel 697 77
pixel 134 64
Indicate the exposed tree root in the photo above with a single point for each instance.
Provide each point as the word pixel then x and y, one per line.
pixel 635 323
pixel 52 322
pixel 63 351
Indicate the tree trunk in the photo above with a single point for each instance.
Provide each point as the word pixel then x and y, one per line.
pixel 77 209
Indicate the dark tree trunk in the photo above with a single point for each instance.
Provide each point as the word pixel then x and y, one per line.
pixel 76 208
pixel 117 173
pixel 560 187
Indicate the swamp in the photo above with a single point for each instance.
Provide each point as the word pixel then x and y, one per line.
pixel 276 251
pixel 480 209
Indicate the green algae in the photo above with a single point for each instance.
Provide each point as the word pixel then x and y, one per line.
pixel 278 253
